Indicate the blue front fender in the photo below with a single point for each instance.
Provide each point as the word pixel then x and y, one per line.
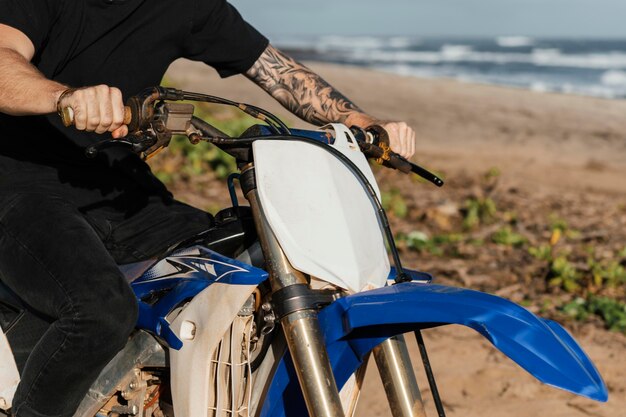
pixel 354 325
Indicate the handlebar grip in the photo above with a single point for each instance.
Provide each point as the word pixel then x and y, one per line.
pixel 67 116
pixel 399 163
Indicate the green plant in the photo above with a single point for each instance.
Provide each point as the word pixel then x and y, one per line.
pixel 420 242
pixel 493 172
pixel 393 201
pixel 541 252
pixel 612 312
pixel 478 211
pixel 506 236
pixel 560 227
pixel 564 275
pixel 610 273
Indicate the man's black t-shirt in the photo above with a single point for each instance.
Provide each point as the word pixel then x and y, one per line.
pixel 122 43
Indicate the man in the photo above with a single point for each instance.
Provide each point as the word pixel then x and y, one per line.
pixel 66 222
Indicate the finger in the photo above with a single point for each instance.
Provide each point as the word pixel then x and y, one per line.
pixel 404 135
pixel 80 116
pixel 105 109
pixel 394 139
pixel 412 143
pixel 93 109
pixel 117 107
pixel 409 142
pixel 120 132
pixel 79 106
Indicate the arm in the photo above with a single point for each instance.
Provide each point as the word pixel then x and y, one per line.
pixel 26 91
pixel 309 97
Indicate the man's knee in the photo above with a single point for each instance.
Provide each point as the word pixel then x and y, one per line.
pixel 107 322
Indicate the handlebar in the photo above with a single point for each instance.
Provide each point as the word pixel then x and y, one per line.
pixel 152 121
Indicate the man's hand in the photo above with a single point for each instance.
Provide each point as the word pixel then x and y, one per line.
pixel 401 138
pixel 97 109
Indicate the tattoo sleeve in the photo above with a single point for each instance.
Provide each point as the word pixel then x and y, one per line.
pixel 301 91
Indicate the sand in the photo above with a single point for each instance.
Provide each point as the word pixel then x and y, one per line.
pixel 544 144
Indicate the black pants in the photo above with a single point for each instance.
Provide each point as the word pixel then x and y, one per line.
pixel 64 264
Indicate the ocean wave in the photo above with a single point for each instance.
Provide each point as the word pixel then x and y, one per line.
pixel 362 43
pixel 539 83
pixel 409 50
pixel 514 41
pixel 614 78
pixel 593 68
pixel 463 53
pixel 402 42
pixel 455 52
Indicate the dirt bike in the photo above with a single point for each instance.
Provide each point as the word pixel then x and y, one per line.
pixel 276 310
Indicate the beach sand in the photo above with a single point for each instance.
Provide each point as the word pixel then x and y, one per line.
pixel 544 145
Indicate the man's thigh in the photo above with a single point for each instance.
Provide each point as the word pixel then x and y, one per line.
pixel 51 256
pixel 154 229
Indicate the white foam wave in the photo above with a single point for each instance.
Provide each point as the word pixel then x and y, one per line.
pixel 526 81
pixel 614 78
pixel 514 41
pixel 461 53
pixel 455 52
pixel 350 42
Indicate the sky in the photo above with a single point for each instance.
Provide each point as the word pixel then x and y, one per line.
pixel 477 18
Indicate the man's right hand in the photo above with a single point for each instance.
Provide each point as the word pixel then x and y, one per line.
pixel 97 109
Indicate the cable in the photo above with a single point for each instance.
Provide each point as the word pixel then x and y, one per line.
pixel 250 109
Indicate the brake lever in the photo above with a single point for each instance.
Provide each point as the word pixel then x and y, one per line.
pixel 133 142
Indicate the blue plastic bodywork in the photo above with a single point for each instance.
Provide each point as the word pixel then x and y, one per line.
pixel 354 325
pixel 191 274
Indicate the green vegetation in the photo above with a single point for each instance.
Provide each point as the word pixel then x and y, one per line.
pixel 608 273
pixel 493 172
pixel 564 275
pixel 394 202
pixel 478 211
pixel 612 312
pixel 436 245
pixel 541 252
pixel 506 236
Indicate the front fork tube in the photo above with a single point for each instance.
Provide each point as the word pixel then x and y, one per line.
pixel 302 329
pixel 396 372
pixel 306 342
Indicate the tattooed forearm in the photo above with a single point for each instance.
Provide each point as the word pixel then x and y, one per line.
pixel 302 91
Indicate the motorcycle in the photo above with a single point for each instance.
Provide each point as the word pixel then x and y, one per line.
pixel 276 310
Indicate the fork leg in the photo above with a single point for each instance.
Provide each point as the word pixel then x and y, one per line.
pixel 396 372
pixel 302 330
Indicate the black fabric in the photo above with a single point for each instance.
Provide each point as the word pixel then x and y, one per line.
pixel 63 264
pixel 126 44
pixel 65 220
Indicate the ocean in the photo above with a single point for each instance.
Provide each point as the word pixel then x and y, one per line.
pixel 591 67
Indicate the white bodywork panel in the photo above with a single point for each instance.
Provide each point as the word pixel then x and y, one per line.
pixel 9 376
pixel 319 211
pixel 210 314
